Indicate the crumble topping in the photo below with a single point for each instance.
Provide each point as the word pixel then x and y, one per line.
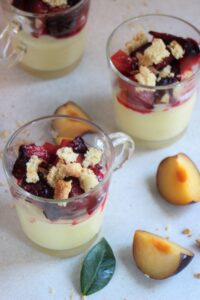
pixel 67 154
pixel 146 77
pixel 32 169
pixel 55 3
pixel 176 49
pixel 154 54
pixel 62 189
pixel 92 157
pixel 137 41
pixel 88 180
pixel 166 72
pixel 72 169
pixel 165 98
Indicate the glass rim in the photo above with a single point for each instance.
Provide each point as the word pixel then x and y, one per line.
pixel 134 83
pixel 13 9
pixel 26 194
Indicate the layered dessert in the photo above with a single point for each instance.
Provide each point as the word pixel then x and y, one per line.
pixel 64 203
pixel 154 87
pixel 54 36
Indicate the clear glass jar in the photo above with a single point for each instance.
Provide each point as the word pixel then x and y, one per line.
pixel 164 123
pixel 47 45
pixel 64 227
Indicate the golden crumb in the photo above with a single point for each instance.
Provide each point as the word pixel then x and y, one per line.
pixel 167 237
pixel 62 189
pixel 55 3
pixel 88 180
pixel 145 77
pixel 197 275
pixel 136 42
pixel 187 232
pixel 154 54
pixel 176 49
pixel 12 205
pixel 4 134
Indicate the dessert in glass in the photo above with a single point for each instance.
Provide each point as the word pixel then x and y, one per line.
pixel 47 37
pixel 154 62
pixel 60 181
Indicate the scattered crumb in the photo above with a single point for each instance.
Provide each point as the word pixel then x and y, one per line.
pixel 12 205
pixel 4 134
pixel 71 297
pixel 187 232
pixel 198 242
pixel 146 275
pixel 19 123
pixel 52 290
pixel 167 237
pixel 167 228
pixel 197 275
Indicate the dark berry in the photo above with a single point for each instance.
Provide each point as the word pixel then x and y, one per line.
pixel 60 26
pixel 76 188
pixel 191 47
pixel 166 81
pixel 20 4
pixel 40 188
pixel 73 2
pixel 36 6
pixel 79 145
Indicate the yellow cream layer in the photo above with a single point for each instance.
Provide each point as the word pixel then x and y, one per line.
pixel 47 53
pixel 60 235
pixel 155 126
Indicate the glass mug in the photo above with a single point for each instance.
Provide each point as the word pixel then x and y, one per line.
pixel 164 123
pixel 46 45
pixel 68 229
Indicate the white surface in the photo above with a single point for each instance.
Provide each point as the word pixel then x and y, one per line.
pixel 133 199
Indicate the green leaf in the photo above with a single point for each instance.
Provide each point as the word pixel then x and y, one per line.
pixel 98 268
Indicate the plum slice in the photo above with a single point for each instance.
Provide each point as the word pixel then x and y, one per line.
pixel 157 257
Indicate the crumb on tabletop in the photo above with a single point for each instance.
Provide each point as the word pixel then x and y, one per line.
pixel 4 134
pixel 52 290
pixel 197 275
pixel 187 232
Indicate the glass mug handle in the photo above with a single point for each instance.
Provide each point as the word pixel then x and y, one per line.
pixel 124 147
pixel 9 55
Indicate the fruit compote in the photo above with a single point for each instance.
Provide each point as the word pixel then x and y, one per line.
pixel 52 34
pixel 63 209
pixel 155 89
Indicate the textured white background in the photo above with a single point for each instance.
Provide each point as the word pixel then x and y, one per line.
pixel 133 199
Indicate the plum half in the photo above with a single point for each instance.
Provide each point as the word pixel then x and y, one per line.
pixel 68 129
pixel 157 257
pixel 178 180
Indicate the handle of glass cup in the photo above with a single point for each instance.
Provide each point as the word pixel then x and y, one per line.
pixel 10 55
pixel 124 147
